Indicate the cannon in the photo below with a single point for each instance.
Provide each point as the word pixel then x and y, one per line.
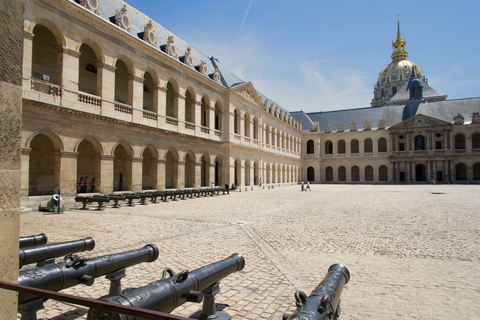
pixel 46 254
pixel 32 241
pixel 169 293
pixel 324 301
pixel 78 270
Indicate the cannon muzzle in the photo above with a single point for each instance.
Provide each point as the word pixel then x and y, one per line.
pixel 32 241
pixel 54 250
pixel 81 271
pixel 324 301
pixel 167 294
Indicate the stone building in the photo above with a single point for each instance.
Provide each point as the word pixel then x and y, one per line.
pixel 112 95
pixel 411 133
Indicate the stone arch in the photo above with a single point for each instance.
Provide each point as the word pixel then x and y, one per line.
pixel 328 173
pixel 476 140
pixel 354 146
pixel 267 173
pixel 190 162
pixel 56 31
pixel 122 166
pixel 55 138
pixel 171 169
pixel 311 174
pixel 89 79
pixel 248 168
pixel 89 152
pixel 218 116
pixel 368 145
pixel 328 147
pixel 171 108
pixel 355 173
pixel 190 105
pixel 205 111
pixel 47 45
pixel 342 173
pixel 237 174
pixel 310 147
pixel 123 83
pixel 256 172
pixel 44 164
pixel 476 171
pixel 205 170
pixel 267 134
pixel 341 146
pixel 459 141
pixel 149 157
pixel 419 142
pixel 274 173
pixel 255 128
pixel 236 121
pixel 150 84
pixel 382 145
pixel 218 172
pixel 246 123
pixel 368 173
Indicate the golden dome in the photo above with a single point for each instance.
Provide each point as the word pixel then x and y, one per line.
pixel 399 71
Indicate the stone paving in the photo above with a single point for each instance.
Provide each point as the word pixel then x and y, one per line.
pixel 413 251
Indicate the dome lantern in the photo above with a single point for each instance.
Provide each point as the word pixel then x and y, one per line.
pixel 399 52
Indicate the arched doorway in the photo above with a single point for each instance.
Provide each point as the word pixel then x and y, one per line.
pixel 149 169
pixel 43 168
pixel 171 170
pixel 218 171
pixel 311 174
pixel 189 170
pixel 355 174
pixel 205 171
pixel 88 163
pixel 328 174
pixel 122 169
pixel 420 173
pixel 461 172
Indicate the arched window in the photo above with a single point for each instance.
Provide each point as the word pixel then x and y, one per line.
pixel 419 143
pixel 205 113
pixel 218 116
pixel 267 134
pixel 341 146
pixel 148 91
pixel 247 125
pixel 354 146
pixel 310 147
pixel 476 141
pixel 394 91
pixel 459 141
pixel 236 121
pixel 368 146
pixel 46 54
pixel 189 106
pixel 382 145
pixel 476 171
pixel 255 128
pixel 461 172
pixel 121 82
pixel 170 107
pixel 328 147
pixel 87 72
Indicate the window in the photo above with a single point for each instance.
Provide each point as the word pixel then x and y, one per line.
pixel 310 147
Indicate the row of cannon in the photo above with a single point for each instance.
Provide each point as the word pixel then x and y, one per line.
pixel 154 196
pixel 164 295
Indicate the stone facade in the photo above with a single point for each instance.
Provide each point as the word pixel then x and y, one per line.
pixel 11 19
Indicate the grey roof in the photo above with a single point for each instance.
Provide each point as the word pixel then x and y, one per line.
pixel 403 94
pixel 392 114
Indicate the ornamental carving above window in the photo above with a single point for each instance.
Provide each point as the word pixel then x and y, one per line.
pixel 203 67
pixel 367 125
pixel 382 124
pixel 458 119
pixel 328 128
pixel 122 20
pixel 475 117
pixel 341 127
pixel 149 34
pixel 170 49
pixel 354 126
pixel 188 57
pixel 216 75
pixel 91 5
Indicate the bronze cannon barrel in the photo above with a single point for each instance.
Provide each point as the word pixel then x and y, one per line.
pixel 81 271
pixel 48 251
pixel 167 294
pixel 324 301
pixel 32 241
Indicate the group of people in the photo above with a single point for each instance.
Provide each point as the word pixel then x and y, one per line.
pixel 83 183
pixel 306 187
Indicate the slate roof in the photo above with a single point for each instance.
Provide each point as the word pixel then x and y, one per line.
pixel 392 114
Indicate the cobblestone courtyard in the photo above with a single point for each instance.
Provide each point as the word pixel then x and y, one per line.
pixel 412 251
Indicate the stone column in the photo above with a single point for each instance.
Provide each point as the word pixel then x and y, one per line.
pixel 106 87
pixel 11 55
pixel 70 66
pixel 161 174
pixel 181 109
pixel 137 92
pixel 211 174
pixel 106 174
pixel 68 173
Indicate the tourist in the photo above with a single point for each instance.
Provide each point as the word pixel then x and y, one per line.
pixel 308 186
pixel 92 185
pixel 303 186
pixel 226 187
pixel 81 183
pixel 85 185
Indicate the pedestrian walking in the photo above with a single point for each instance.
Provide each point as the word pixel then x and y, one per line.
pixel 226 187
pixel 92 185
pixel 303 186
pixel 308 186
pixel 81 183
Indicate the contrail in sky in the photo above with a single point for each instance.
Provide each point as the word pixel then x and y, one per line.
pixel 244 18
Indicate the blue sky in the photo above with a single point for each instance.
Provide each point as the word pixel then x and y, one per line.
pixel 326 55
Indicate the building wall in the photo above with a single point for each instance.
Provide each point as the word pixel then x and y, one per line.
pixel 11 19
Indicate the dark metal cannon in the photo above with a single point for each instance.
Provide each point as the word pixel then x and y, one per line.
pixel 32 241
pixel 324 301
pixel 46 254
pixel 167 294
pixel 77 270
